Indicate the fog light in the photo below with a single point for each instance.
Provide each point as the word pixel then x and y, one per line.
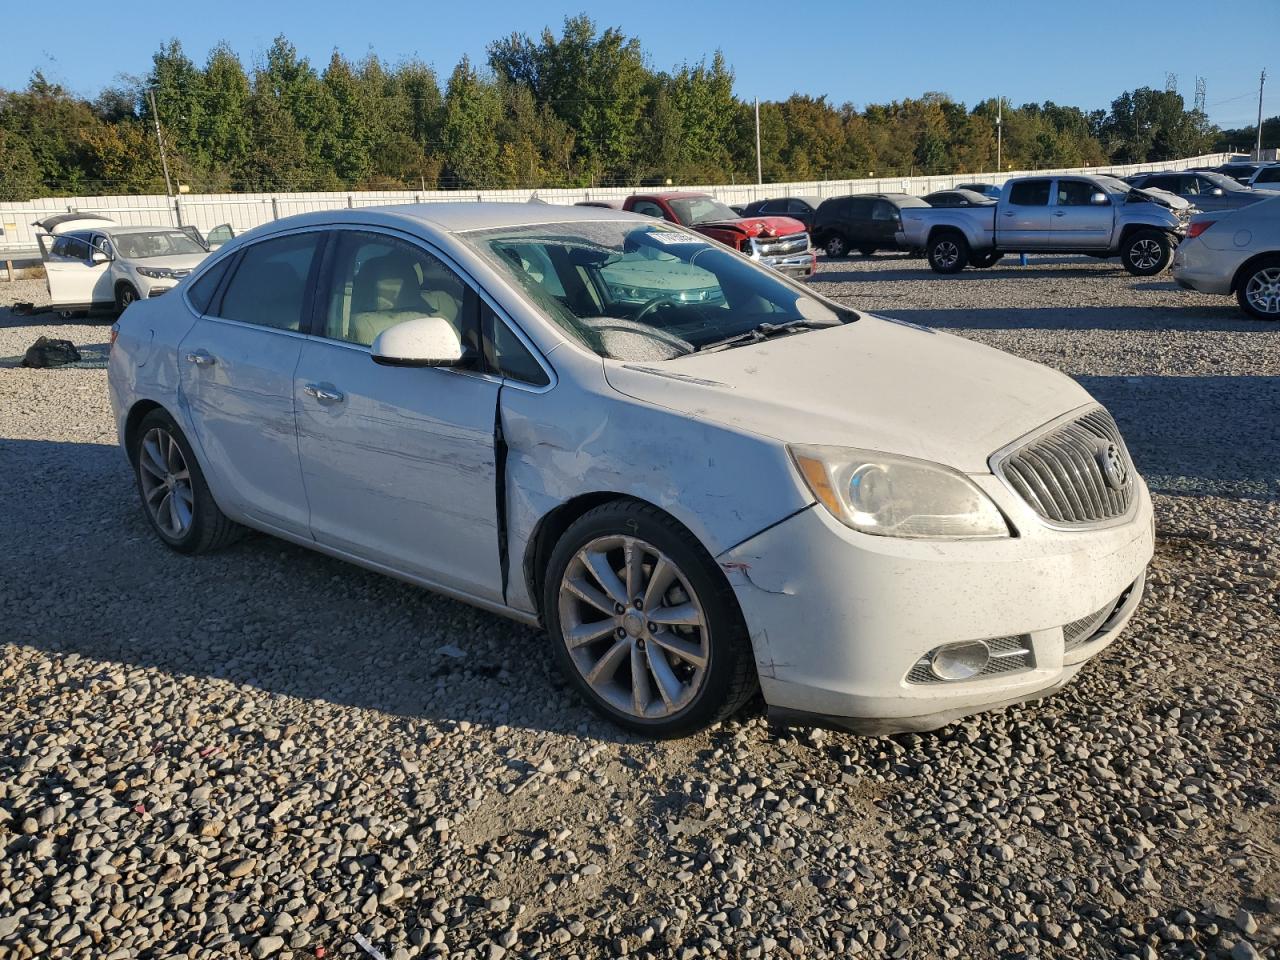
pixel 959 661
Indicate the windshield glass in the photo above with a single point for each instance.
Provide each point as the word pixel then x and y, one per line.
pixel 161 243
pixel 695 210
pixel 632 291
pixel 1112 185
pixel 1220 180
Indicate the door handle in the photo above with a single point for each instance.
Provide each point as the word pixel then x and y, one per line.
pixel 201 358
pixel 323 394
pixel 1060 213
pixel 1008 214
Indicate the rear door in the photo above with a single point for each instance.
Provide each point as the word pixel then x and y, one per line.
pixel 1078 223
pixel 861 231
pixel 398 462
pixel 1023 222
pixel 73 277
pixel 237 367
pixel 884 225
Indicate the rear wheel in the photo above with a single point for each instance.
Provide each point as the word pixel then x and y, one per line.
pixel 948 253
pixel 836 246
pixel 175 496
pixel 1258 291
pixel 1146 252
pixel 644 624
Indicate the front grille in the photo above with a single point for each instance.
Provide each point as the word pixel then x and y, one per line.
pixel 1079 632
pixel 1076 474
pixel 1008 654
pixel 780 246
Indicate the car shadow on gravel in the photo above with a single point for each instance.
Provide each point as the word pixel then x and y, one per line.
pixel 96 582
pixel 1218 436
pixel 1225 318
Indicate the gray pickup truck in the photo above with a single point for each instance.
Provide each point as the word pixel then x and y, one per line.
pixel 1094 215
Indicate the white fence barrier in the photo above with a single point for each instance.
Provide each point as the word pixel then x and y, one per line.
pixel 247 210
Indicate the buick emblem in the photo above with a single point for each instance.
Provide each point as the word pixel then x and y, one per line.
pixel 1111 462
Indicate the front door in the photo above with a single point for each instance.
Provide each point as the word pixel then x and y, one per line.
pixel 75 280
pixel 237 366
pixel 1023 223
pixel 398 462
pixel 1078 222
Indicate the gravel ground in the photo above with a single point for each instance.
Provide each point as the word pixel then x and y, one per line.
pixel 268 753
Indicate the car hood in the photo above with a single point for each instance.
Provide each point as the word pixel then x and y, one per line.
pixel 757 226
pixel 182 261
pixel 1162 197
pixel 874 383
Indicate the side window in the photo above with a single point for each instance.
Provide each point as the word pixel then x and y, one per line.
pixel 202 291
pixel 1030 193
pixel 1074 193
pixel 504 354
pixel 648 208
pixel 378 281
pixel 269 287
pixel 1163 183
pixel 883 210
pixel 797 206
pixel 70 248
pixel 1269 175
pixel 859 209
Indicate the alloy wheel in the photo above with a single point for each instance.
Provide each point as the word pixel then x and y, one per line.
pixel 946 253
pixel 836 247
pixel 633 627
pixel 166 483
pixel 1145 254
pixel 1263 290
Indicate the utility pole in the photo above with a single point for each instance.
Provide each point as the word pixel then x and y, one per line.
pixel 759 177
pixel 164 162
pixel 1257 147
pixel 999 134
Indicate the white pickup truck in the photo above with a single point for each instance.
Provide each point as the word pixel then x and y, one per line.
pixel 1094 215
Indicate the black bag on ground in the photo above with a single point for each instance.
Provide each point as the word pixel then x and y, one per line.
pixel 46 352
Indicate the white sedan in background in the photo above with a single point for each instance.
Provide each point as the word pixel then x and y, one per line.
pixel 94 263
pixel 699 476
pixel 1235 251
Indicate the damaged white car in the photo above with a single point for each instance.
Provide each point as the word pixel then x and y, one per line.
pixel 699 476
pixel 93 263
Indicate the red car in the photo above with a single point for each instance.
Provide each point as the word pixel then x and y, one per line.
pixel 779 242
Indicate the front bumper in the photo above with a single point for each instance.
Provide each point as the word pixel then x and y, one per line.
pixel 838 619
pixel 793 265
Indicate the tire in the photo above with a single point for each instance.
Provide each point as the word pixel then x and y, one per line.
pixel 836 247
pixel 159 445
pixel 1258 289
pixel 125 295
pixel 986 260
pixel 1146 252
pixel 948 253
pixel 867 251
pixel 694 657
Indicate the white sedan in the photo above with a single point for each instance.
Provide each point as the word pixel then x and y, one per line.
pixel 701 478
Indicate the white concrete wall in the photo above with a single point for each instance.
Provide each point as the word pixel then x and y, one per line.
pixel 246 210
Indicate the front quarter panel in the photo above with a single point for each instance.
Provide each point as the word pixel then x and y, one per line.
pixel 581 437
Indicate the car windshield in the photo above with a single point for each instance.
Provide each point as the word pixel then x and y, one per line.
pixel 632 291
pixel 1223 181
pixel 160 243
pixel 1113 185
pixel 695 210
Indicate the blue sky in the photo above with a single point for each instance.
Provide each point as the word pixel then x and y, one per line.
pixel 1081 53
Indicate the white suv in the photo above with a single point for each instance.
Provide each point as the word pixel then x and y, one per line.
pixel 93 263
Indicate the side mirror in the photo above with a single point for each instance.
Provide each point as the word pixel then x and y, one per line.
pixel 98 256
pixel 1218 191
pixel 420 342
pixel 1098 199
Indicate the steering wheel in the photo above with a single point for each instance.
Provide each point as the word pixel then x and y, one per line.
pixel 653 305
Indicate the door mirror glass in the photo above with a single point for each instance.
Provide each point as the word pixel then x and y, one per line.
pixel 420 342
pixel 1098 199
pixel 1217 191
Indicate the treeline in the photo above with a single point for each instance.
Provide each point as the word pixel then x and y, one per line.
pixel 580 109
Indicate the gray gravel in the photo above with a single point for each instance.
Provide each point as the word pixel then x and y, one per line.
pixel 267 753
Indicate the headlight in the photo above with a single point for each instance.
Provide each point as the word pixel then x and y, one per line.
pixel 892 496
pixel 157 273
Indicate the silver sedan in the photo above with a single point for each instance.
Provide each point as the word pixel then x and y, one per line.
pixel 1235 252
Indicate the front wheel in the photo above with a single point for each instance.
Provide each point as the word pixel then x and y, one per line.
pixel 175 496
pixel 644 624
pixel 948 253
pixel 125 295
pixel 1258 291
pixel 1147 252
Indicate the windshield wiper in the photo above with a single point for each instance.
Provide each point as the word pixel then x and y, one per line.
pixel 761 331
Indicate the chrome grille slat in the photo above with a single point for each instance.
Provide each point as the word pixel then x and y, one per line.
pixel 1062 472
